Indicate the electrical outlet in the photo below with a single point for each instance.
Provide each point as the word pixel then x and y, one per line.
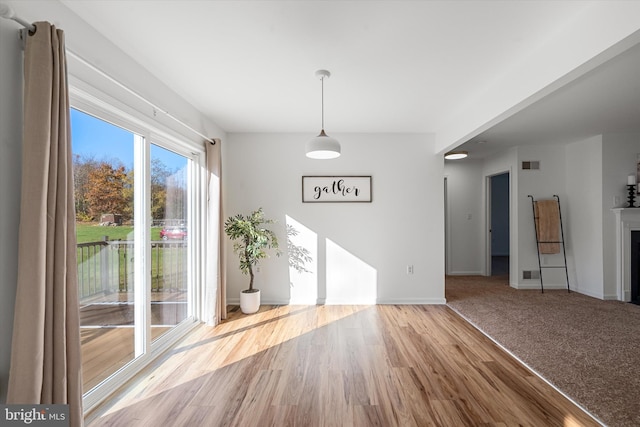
pixel 257 269
pixel 409 269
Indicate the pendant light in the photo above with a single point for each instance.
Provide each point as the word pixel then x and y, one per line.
pixel 323 146
pixel 456 155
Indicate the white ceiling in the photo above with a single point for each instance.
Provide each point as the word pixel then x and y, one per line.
pixel 397 66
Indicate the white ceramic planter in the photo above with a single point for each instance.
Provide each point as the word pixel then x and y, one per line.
pixel 249 302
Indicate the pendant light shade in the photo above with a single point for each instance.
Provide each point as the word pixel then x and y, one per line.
pixel 456 155
pixel 323 146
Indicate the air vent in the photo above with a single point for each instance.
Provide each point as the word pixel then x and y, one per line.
pixel 530 274
pixel 531 165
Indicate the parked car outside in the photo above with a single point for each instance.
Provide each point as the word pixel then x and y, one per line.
pixel 177 232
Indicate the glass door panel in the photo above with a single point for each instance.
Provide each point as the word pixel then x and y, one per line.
pixel 169 240
pixel 104 196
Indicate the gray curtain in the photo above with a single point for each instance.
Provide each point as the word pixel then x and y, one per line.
pixel 45 352
pixel 215 308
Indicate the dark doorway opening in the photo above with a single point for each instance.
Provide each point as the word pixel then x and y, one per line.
pixel 500 224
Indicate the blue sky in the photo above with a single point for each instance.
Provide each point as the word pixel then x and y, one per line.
pixel 103 141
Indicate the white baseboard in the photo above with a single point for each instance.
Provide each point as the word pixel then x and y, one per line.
pixel 465 273
pixel 591 294
pixel 533 286
pixel 412 301
pixel 236 301
pixel 322 301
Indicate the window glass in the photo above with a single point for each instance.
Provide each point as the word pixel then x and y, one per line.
pixel 169 239
pixel 104 197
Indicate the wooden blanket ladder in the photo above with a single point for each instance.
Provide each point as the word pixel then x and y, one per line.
pixel 539 242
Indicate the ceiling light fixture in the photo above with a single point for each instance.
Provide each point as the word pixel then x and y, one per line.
pixel 323 146
pixel 456 155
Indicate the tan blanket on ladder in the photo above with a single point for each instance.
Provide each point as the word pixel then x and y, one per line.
pixel 548 225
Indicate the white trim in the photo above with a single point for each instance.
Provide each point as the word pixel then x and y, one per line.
pixel 349 301
pixel 200 211
pixel 466 273
pixel 447 223
pixel 627 220
pixel 412 301
pixel 535 285
pixel 322 301
pixel 196 230
pixel 142 246
pixel 488 194
pixel 589 294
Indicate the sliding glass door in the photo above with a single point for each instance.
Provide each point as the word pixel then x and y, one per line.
pixel 134 223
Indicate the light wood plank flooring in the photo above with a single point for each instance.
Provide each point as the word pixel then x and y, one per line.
pixel 105 350
pixel 340 366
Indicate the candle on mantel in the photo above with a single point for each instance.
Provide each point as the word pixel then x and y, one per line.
pixel 631 180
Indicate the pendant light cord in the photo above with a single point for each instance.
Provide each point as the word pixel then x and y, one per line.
pixel 322 98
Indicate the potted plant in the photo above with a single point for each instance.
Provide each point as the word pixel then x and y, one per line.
pixel 251 241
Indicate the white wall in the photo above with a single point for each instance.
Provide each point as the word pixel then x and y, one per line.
pixel 465 216
pixel 541 184
pixel 360 250
pixel 584 215
pixel 10 170
pixel 619 159
pixel 83 40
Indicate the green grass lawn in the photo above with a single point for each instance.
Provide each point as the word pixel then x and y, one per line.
pixel 92 232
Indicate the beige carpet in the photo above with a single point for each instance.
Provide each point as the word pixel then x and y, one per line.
pixel 588 348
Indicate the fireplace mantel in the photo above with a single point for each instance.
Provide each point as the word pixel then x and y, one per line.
pixel 627 220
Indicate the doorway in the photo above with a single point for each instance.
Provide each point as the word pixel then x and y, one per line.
pixel 498 221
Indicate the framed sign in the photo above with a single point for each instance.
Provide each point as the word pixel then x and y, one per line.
pixel 324 189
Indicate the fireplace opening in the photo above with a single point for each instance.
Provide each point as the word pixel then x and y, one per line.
pixel 635 267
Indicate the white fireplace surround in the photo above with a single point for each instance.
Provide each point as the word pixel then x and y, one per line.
pixel 627 220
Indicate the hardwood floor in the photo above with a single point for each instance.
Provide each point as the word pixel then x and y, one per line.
pixel 340 366
pixel 105 350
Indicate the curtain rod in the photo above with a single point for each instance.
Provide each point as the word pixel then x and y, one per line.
pixel 7 12
pixel 137 95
